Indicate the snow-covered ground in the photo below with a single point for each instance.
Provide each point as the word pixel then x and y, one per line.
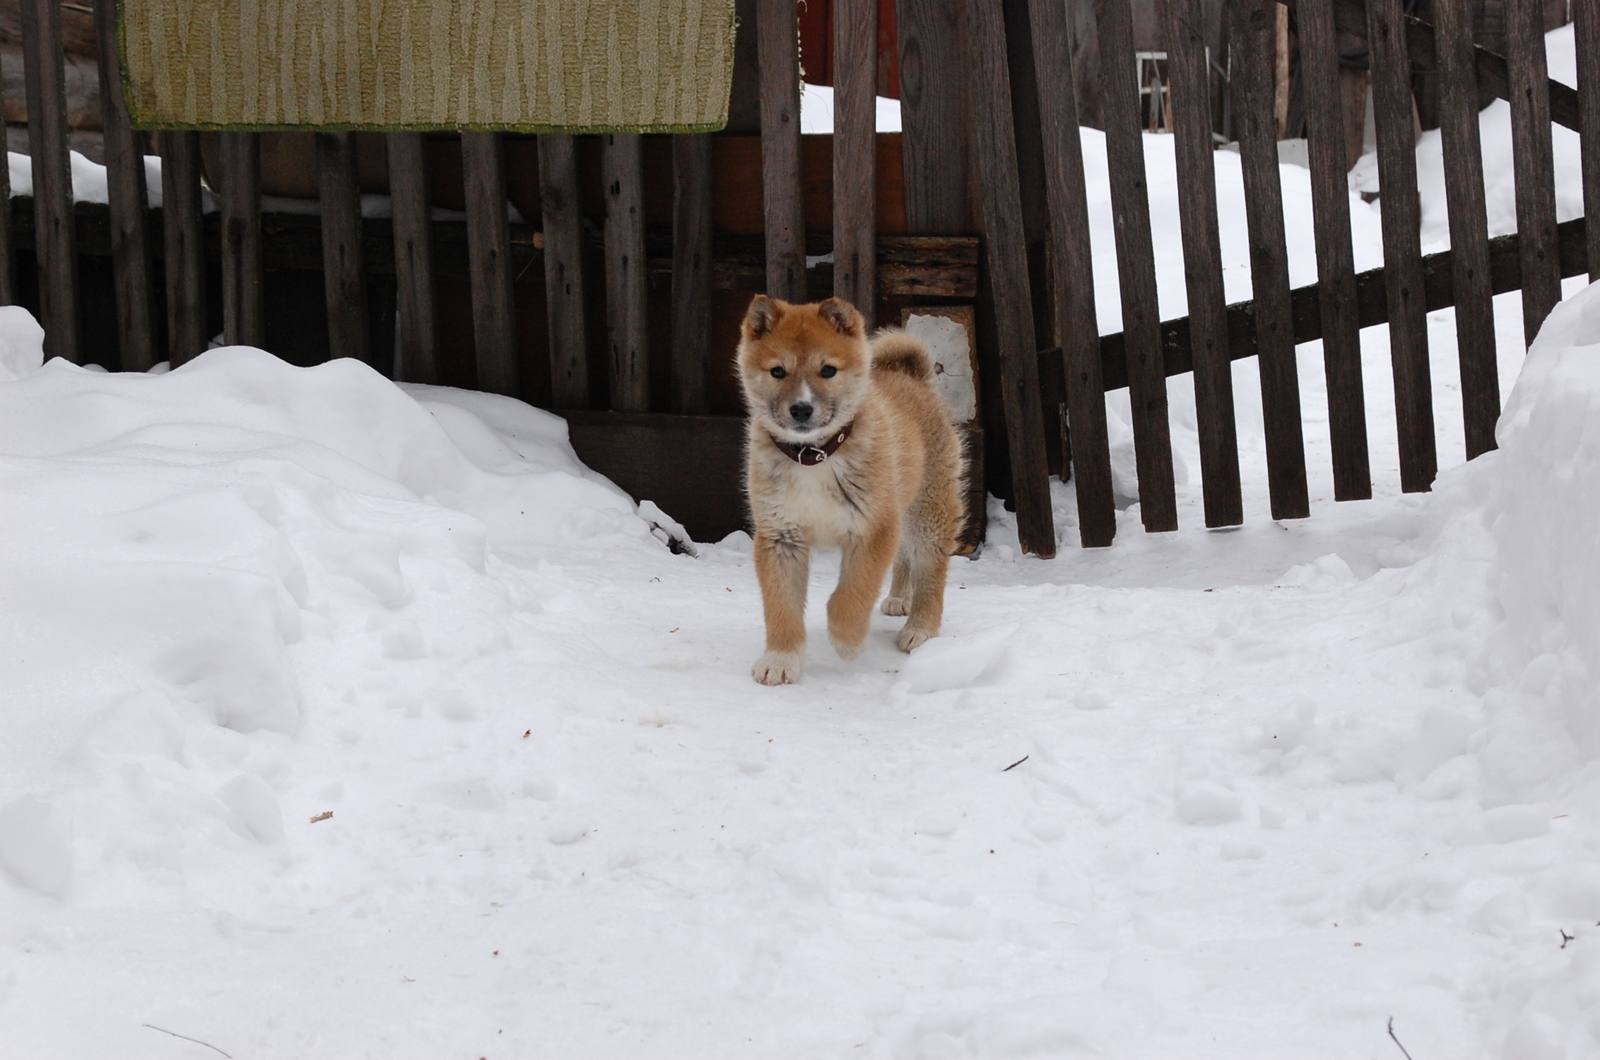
pixel 352 719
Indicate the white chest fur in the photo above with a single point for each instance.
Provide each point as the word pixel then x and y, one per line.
pixel 819 501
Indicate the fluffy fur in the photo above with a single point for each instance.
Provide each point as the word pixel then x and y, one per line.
pixel 889 495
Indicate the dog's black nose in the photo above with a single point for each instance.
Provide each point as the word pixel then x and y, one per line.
pixel 800 412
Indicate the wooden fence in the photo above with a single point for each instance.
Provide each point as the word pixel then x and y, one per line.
pixel 990 149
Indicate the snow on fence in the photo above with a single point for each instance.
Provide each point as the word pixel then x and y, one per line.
pixel 981 92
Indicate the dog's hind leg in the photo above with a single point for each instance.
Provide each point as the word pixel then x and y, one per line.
pixel 929 566
pixel 866 561
pixel 783 563
pixel 898 602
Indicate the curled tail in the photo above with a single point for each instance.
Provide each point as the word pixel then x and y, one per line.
pixel 897 351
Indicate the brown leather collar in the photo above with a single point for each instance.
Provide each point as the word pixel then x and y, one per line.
pixel 812 455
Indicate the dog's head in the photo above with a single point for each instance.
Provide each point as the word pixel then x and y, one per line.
pixel 805 368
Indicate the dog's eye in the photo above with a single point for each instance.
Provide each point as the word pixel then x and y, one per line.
pixel 778 372
pixel 828 371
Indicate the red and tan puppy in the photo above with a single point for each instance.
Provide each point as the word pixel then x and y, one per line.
pixel 849 448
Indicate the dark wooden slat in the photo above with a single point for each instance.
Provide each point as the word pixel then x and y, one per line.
pixel 128 201
pixel 691 271
pixel 626 280
pixel 1000 210
pixel 1402 246
pixel 413 258
pixel 1586 16
pixel 1330 196
pixel 1071 260
pixel 1254 31
pixel 1469 228
pixel 243 313
pixel 1136 267
pixel 494 324
pixel 45 76
pixel 855 202
pixel 563 271
pixel 8 247
pixel 783 204
pixel 344 287
pixel 1535 167
pixel 183 243
pixel 1202 260
pixel 933 113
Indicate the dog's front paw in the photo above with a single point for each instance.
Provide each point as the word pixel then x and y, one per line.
pixel 777 668
pixel 847 648
pixel 914 637
pixel 896 605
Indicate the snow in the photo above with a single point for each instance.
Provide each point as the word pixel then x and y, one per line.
pixel 347 718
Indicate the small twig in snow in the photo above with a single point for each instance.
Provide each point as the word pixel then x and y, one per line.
pixel 1565 938
pixel 1397 1040
pixel 1015 764
pixel 186 1038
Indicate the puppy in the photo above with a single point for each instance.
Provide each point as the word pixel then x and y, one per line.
pixel 849 448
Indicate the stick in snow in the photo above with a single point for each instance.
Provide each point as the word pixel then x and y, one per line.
pixel 186 1038
pixel 1015 764
pixel 1397 1040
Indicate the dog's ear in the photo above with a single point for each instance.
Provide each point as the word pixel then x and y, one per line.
pixel 842 315
pixel 763 315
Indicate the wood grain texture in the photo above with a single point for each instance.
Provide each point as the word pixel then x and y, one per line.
pixel 1402 247
pixel 691 271
pixel 855 208
pixel 627 323
pixel 783 201
pixel 1000 213
pixel 933 113
pixel 1202 261
pixel 1088 455
pixel 8 243
pixel 128 200
pixel 1586 19
pixel 183 246
pixel 413 258
pixel 1534 162
pixel 494 322
pixel 1254 34
pixel 1136 266
pixel 1469 227
pixel 1328 147
pixel 563 271
pixel 45 82
pixel 343 279
pixel 243 312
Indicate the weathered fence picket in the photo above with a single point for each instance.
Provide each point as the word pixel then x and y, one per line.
pixel 629 340
pixel 343 277
pixel 243 311
pixel 1586 16
pixel 855 147
pixel 1535 163
pixel 54 242
pixel 691 270
pixel 494 323
pixel 563 271
pixel 183 238
pixel 777 30
pixel 411 203
pixel 128 204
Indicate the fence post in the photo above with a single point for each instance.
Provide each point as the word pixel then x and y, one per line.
pixel 413 257
pixel 691 270
pixel 1586 16
pixel 783 203
pixel 243 315
pixel 1534 162
pixel 128 201
pixel 183 238
pixel 494 325
pixel 855 164
pixel 1006 253
pixel 563 271
pixel 54 242
pixel 627 301
pixel 343 280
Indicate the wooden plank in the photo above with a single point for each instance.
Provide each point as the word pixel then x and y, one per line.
pixel 933 113
pixel 783 202
pixel 413 258
pixel 1071 259
pixel 691 271
pixel 8 247
pixel 45 76
pixel 183 243
pixel 1136 265
pixel 563 271
pixel 343 285
pixel 1586 32
pixel 243 312
pixel 644 454
pixel 494 325
pixel 627 287
pixel 128 201
pixel 1534 164
pixel 855 204
pixel 1254 37
pixel 1402 246
pixel 1469 228
pixel 1202 259
pixel 1330 199
pixel 1000 211
pixel 1586 19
